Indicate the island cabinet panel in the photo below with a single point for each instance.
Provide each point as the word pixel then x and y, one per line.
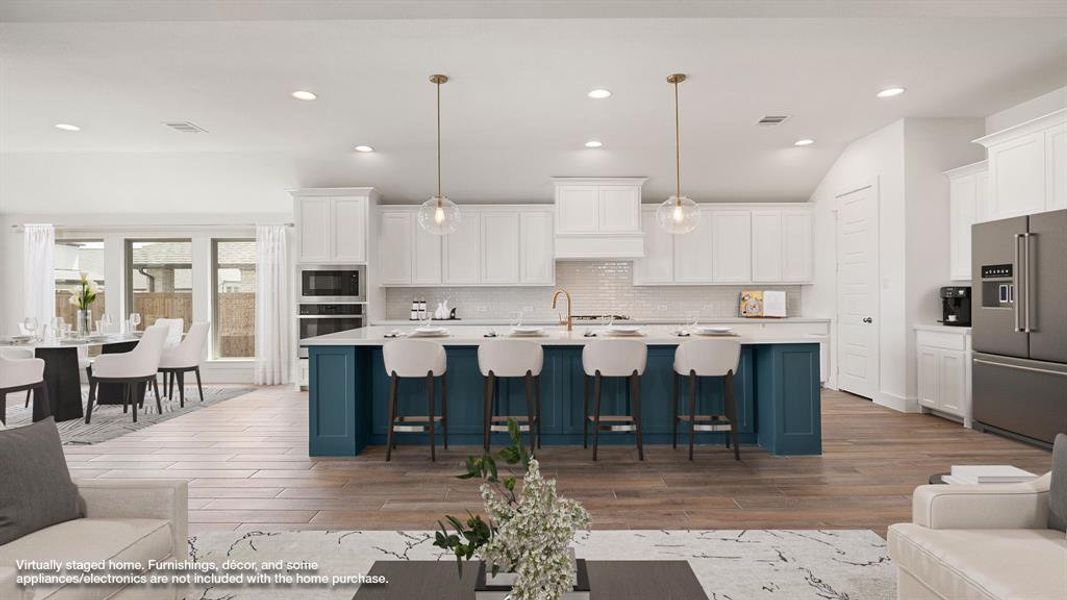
pixel 338 421
pixel 787 377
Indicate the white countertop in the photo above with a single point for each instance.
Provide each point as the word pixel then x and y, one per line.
pixel 938 327
pixel 635 321
pixel 473 335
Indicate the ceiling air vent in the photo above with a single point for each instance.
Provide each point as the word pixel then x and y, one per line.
pixel 185 127
pixel 769 120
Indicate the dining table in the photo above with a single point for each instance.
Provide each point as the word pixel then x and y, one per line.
pixel 61 371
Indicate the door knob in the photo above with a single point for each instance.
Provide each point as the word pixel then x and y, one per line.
pixel 868 320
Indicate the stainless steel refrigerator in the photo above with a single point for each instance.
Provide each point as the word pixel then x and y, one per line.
pixel 1019 308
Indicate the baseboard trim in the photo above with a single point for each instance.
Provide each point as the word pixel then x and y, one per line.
pixel 897 403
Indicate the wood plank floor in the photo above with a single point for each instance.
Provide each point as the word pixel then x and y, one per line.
pixel 247 466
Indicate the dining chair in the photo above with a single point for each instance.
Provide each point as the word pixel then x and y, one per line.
pixel 706 358
pixel 19 372
pixel 175 329
pixel 416 359
pixel 139 365
pixel 178 360
pixel 613 358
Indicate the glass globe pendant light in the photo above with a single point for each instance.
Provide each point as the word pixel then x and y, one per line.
pixel 678 214
pixel 439 215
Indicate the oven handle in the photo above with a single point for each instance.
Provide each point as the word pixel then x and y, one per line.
pixel 353 317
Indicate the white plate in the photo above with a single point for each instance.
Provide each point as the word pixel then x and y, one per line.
pixel 622 330
pixel 714 330
pixel 527 330
pixel 429 332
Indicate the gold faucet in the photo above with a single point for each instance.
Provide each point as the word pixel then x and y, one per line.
pixel 555 296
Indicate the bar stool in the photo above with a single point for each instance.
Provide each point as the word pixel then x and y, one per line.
pixel 613 358
pixel 416 358
pixel 512 358
pixel 707 358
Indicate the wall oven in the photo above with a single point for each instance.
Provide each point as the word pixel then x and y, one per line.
pixel 332 284
pixel 322 319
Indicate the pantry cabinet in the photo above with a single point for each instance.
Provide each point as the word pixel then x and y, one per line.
pixel 332 224
pixel 968 197
pixel 1028 167
pixel 943 376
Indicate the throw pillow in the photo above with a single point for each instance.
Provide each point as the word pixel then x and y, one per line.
pixel 1057 496
pixel 37 490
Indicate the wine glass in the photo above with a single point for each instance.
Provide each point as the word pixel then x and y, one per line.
pixel 57 327
pixel 135 320
pixel 107 321
pixel 30 324
pixel 692 319
pixel 516 320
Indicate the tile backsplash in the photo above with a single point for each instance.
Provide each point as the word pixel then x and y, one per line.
pixel 597 287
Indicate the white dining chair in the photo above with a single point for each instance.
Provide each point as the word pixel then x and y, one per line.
pixel 20 372
pixel 416 359
pixel 706 358
pixel 511 358
pixel 613 358
pixel 178 360
pixel 175 329
pixel 139 365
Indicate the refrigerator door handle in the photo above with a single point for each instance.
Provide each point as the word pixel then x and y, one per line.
pixel 1029 323
pixel 1020 367
pixel 1017 284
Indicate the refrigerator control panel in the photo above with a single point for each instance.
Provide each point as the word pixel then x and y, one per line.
pixel 997 271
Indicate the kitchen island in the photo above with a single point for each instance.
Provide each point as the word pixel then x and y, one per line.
pixel 777 388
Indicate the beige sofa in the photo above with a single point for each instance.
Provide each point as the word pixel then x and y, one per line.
pixel 126 520
pixel 980 541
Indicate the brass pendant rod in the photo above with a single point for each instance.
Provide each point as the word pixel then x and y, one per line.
pixel 677 151
pixel 438 85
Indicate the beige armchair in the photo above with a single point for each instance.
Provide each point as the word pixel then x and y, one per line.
pixel 980 542
pixel 126 520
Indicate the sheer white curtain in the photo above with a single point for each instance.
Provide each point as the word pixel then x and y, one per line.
pixel 38 273
pixel 273 343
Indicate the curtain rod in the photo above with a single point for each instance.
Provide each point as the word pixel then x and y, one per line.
pixel 153 227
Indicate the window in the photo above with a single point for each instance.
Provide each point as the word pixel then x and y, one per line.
pixel 72 258
pixel 234 284
pixel 159 278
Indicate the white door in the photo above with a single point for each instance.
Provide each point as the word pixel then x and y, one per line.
pixel 731 236
pixel 857 292
pixel 426 254
pixel 500 247
pixel 316 227
pixel 350 229
pixel 538 261
pixel 928 373
pixel 463 250
pixel 396 247
pixel 620 209
pixel 657 266
pixel 694 252
pixel 797 246
pixel 952 382
pixel 576 210
pixel 767 245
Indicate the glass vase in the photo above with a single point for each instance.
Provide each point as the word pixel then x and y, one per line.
pixel 83 323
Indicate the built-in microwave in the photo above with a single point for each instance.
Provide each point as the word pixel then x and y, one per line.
pixel 332 284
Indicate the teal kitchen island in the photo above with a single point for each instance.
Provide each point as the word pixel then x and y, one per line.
pixel 777 387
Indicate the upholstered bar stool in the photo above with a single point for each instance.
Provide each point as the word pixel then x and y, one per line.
pixel 613 358
pixel 706 358
pixel 416 358
pixel 512 358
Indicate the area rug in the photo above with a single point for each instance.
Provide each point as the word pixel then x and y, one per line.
pixel 730 565
pixel 110 422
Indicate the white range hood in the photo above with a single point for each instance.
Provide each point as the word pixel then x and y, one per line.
pixel 598 218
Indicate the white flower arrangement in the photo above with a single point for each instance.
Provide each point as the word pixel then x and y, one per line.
pixel 86 293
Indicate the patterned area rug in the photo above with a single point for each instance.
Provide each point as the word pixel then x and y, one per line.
pixel 110 422
pixel 730 565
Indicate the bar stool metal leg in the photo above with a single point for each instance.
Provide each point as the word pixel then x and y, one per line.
pixel 692 410
pixel 530 409
pixel 585 411
pixel 674 414
pixel 430 412
pixel 393 381
pixel 444 407
pixel 731 402
pixel 537 406
pixel 596 411
pixel 635 395
pixel 487 411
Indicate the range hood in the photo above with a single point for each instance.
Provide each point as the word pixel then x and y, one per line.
pixel 598 218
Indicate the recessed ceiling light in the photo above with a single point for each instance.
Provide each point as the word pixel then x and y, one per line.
pixel 304 95
pixel 594 144
pixel 599 93
pixel 804 142
pixel 890 92
pixel 364 148
pixel 67 127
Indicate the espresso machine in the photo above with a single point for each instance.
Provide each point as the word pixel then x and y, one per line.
pixel 956 306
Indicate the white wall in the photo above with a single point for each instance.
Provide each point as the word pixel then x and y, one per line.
pixel 1025 111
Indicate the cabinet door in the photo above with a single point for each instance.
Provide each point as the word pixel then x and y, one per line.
pixel 767 245
pixel 500 247
pixel 463 251
pixel 694 252
pixel 952 382
pixel 731 235
pixel 576 209
pixel 620 209
pixel 798 246
pixel 426 254
pixel 982 210
pixel 1056 167
pixel 1017 176
pixel 658 264
pixel 928 376
pixel 537 260
pixel 316 230
pixel 350 229
pixel 396 247
pixel 962 198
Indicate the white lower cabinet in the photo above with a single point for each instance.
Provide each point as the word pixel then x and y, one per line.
pixel 943 370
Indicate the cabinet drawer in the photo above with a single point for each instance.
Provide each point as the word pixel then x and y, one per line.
pixel 937 339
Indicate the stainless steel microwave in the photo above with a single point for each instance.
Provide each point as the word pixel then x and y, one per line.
pixel 332 284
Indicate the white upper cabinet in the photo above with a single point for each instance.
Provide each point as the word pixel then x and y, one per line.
pixel 332 224
pixel 537 259
pixel 1028 167
pixel 598 217
pixel 426 254
pixel 966 196
pixel 502 241
pixel 463 250
pixel 398 245
pixel 732 244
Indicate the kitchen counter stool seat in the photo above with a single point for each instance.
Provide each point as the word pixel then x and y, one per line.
pixel 512 358
pixel 613 358
pixel 694 359
pixel 129 368
pixel 20 371
pixel 416 359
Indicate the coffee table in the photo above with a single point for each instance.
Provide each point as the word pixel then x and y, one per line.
pixel 608 580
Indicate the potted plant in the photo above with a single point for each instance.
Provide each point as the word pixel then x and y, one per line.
pixel 83 298
pixel 526 542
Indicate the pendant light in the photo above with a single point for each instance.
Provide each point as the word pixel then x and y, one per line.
pixel 677 214
pixel 439 215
